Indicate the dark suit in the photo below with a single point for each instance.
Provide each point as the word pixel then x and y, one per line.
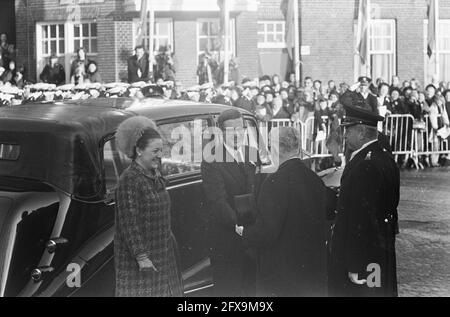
pixel 233 269
pixel 134 64
pixel 289 233
pixel 366 224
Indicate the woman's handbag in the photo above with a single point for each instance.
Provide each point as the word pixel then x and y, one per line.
pixel 443 133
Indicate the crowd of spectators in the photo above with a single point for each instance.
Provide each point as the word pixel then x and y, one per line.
pixel 267 97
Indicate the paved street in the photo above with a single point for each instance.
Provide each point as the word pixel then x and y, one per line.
pixel 423 246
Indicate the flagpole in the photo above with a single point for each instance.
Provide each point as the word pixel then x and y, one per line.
pixel 296 42
pixel 151 36
pixel 226 65
pixel 436 30
pixel 369 27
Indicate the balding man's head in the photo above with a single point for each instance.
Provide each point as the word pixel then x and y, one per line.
pixel 289 143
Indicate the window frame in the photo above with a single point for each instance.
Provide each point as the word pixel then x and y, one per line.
pixel 438 53
pixel 393 42
pixel 272 44
pixel 40 40
pixel 156 36
pixel 69 44
pixel 82 37
pixel 232 39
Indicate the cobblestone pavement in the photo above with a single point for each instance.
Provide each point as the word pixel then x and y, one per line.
pixel 423 246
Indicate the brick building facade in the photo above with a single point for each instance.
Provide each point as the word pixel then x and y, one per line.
pixel 327 36
pixel 108 29
pixel 328 31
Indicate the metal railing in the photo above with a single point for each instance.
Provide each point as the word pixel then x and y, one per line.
pixel 406 136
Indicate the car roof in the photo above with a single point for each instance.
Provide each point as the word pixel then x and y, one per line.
pixel 106 108
pixel 61 142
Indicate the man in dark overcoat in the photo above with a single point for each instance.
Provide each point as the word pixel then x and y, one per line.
pixel 138 66
pixel 363 261
pixel 224 179
pixel 289 231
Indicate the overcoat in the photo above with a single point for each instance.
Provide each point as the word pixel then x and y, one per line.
pixel 366 224
pixel 143 226
pixel 289 233
pixel 135 64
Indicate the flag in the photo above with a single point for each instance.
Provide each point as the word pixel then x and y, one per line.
pixel 142 26
pixel 287 8
pixel 432 25
pixel 363 31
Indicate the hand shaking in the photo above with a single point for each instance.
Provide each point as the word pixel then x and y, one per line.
pixel 146 265
pixel 239 230
pixel 354 279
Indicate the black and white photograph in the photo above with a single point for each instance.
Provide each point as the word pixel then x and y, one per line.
pixel 234 151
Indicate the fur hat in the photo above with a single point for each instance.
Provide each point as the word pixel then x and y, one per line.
pixel 130 131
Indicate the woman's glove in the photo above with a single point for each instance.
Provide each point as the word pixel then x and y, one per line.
pixel 145 264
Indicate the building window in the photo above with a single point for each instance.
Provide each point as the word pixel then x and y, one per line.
pixel 85 35
pixel 444 50
pixel 162 37
pixel 209 38
pixel 383 49
pixel 52 39
pixel 438 64
pixel 271 34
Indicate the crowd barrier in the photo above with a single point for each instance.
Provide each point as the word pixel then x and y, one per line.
pixel 311 144
pixel 407 137
pixel 427 143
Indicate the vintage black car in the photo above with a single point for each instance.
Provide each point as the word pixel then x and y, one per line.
pixel 59 167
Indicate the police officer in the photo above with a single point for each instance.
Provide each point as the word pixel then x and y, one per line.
pixel 363 261
pixel 361 92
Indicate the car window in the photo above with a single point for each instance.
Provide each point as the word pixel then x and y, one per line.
pixel 182 140
pixel 183 146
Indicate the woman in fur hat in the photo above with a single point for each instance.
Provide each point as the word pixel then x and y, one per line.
pixel 145 255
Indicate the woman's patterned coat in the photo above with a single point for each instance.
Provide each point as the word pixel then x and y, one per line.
pixel 143 226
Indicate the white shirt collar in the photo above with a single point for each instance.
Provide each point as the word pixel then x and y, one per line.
pixel 362 148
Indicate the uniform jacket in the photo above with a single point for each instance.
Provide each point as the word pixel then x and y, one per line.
pixel 366 223
pixel 143 226
pixel 289 233
pixel 351 97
